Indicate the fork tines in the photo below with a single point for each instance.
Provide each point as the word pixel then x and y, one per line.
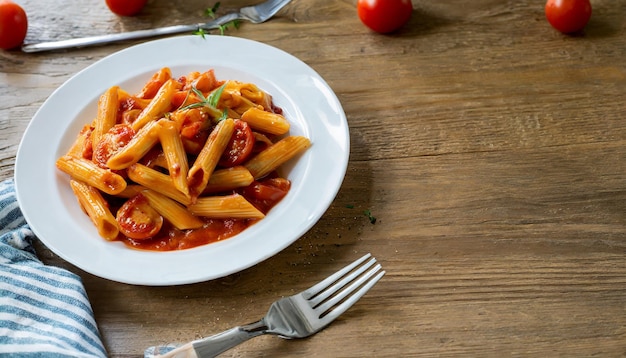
pixel 337 293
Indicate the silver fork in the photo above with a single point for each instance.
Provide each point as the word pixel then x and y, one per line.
pixel 298 316
pixel 255 14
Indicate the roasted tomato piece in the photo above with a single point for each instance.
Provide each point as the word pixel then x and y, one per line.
pixel 137 219
pixel 112 141
pixel 265 194
pixel 240 146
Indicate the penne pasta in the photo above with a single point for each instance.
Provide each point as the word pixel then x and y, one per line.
pixel 175 155
pixel 221 207
pixel 235 102
pixel 173 211
pixel 160 104
pixel 204 82
pixel 96 208
pixel 210 154
pixel 157 80
pixel 82 145
pixel 85 170
pixel 130 191
pixel 271 158
pixel 106 117
pixel 107 114
pixel 157 181
pixel 228 179
pixel 254 94
pixel 184 161
pixel 137 103
pixel 264 121
pixel 139 146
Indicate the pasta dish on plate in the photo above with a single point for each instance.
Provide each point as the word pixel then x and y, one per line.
pixel 184 162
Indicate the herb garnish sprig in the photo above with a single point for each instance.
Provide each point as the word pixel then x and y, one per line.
pixel 211 12
pixel 209 103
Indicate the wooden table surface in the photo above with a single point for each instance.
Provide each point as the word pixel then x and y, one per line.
pixel 489 147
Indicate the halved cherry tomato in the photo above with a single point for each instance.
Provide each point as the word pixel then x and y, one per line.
pixel 568 16
pixel 13 25
pixel 126 7
pixel 265 194
pixel 137 219
pixel 117 137
pixel 240 146
pixel 384 16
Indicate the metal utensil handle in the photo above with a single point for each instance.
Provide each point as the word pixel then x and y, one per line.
pixel 110 38
pixel 219 343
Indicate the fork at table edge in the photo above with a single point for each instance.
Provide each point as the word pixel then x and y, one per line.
pixel 296 316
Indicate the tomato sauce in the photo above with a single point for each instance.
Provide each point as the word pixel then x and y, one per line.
pixel 263 194
pixel 170 238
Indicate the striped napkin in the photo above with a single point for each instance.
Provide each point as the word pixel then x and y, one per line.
pixel 44 310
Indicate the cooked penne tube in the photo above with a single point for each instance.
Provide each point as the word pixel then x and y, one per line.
pixel 137 102
pixel 85 170
pixel 204 82
pixel 221 207
pixel 130 191
pixel 96 208
pixel 141 144
pixel 159 104
pixel 210 154
pixel 157 181
pixel 175 155
pixel 277 154
pixel 81 147
pixel 256 95
pixel 251 93
pixel 157 80
pixel 156 160
pixel 234 101
pixel 228 179
pixel 107 114
pixel 264 121
pixel 167 142
pixel 173 211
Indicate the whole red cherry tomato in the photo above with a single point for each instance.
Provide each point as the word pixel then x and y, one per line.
pixel 568 16
pixel 13 25
pixel 384 16
pixel 126 7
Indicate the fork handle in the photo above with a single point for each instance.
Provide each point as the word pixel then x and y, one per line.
pixel 218 343
pixel 131 35
pixel 109 38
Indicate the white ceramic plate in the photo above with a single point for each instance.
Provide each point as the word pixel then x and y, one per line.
pixel 311 106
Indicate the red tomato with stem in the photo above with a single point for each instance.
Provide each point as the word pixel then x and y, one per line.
pixel 138 220
pixel 240 146
pixel 384 16
pixel 126 7
pixel 13 25
pixel 568 16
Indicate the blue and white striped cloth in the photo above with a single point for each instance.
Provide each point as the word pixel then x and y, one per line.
pixel 44 310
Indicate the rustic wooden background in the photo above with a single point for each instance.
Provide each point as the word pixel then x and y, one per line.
pixel 489 147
